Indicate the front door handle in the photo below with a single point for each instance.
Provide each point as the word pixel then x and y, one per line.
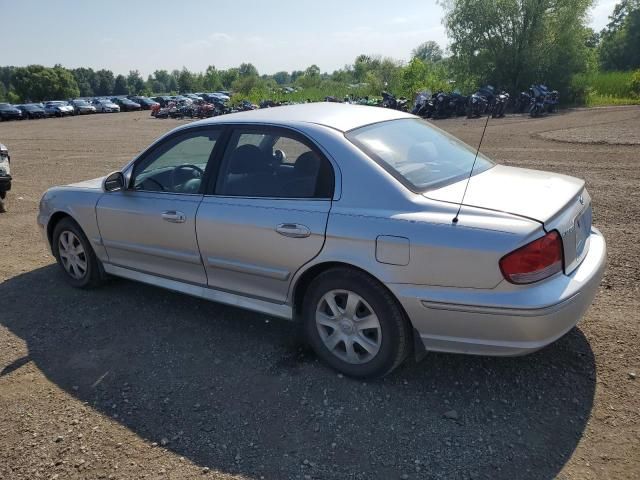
pixel 293 230
pixel 174 216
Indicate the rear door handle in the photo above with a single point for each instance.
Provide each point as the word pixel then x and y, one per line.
pixel 293 230
pixel 173 216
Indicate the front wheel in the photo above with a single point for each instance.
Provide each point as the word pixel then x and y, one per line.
pixel 75 256
pixel 354 324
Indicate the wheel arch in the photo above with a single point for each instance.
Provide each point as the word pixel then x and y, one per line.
pixel 301 284
pixel 54 219
pixel 305 278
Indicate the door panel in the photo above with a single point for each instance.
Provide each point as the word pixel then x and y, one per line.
pixel 244 252
pixel 151 226
pixel 152 232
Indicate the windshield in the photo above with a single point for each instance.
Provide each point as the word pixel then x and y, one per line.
pixel 419 155
pixel 80 103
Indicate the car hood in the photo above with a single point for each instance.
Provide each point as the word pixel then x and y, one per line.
pixel 533 194
pixel 94 183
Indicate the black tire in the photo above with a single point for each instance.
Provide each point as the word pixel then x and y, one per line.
pixel 3 195
pixel 396 334
pixel 94 274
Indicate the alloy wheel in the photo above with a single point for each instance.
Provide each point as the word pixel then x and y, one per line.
pixel 72 255
pixel 348 326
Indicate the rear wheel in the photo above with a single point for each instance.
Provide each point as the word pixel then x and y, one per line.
pixel 354 324
pixel 75 256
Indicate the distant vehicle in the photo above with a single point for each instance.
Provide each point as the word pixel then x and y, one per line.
pixel 58 108
pixel 193 96
pixel 216 96
pixel 9 112
pixel 125 104
pixel 32 110
pixel 5 172
pixel 82 107
pixel 104 105
pixel 145 102
pixel 182 99
pixel 163 100
pixel 272 210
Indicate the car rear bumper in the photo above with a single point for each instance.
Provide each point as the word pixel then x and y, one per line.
pixel 507 320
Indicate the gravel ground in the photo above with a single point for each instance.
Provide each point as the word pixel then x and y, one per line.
pixel 130 381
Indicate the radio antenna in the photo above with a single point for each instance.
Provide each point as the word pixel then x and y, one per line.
pixel 455 219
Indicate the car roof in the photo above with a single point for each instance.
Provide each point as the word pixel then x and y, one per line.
pixel 338 116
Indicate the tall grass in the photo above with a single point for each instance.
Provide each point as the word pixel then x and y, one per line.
pixel 605 88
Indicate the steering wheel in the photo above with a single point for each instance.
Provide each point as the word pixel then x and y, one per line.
pixel 188 166
pixel 153 180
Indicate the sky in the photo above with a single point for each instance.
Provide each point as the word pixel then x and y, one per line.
pixel 273 35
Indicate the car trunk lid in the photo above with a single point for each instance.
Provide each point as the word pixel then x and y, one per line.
pixel 557 201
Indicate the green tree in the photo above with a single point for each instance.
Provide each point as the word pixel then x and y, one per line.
pixel 105 83
pixel 362 65
pixel 186 81
pixel 120 86
pixel 229 76
pixel 282 78
pixel 211 80
pixel 420 76
pixel 244 85
pixel 295 75
pixel 86 79
pixel 135 82
pixel 160 81
pixel 247 70
pixel 310 78
pixel 428 51
pixel 512 43
pixel 36 83
pixel 620 40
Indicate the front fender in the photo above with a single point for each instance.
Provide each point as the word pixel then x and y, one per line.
pixel 77 203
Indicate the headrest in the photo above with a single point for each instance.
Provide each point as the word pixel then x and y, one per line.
pixel 248 159
pixel 307 165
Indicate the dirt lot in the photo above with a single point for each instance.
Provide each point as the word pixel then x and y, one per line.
pixel 131 381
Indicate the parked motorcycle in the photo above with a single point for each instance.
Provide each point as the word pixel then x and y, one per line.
pixel 552 101
pixel 440 105
pixel 500 104
pixel 245 106
pixel 457 103
pixel 423 106
pixel 522 103
pixel 390 101
pixel 480 101
pixel 537 106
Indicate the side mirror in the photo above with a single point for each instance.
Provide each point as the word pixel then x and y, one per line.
pixel 114 182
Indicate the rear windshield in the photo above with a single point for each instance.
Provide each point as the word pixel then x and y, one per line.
pixel 419 155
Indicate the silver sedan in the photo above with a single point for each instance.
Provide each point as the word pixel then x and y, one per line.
pixel 348 219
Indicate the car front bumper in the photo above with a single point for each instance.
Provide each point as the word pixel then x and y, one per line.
pixel 507 320
pixel 5 183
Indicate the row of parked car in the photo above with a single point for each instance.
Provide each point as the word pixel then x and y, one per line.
pixel 82 106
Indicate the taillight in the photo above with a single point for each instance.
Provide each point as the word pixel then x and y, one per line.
pixel 535 261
